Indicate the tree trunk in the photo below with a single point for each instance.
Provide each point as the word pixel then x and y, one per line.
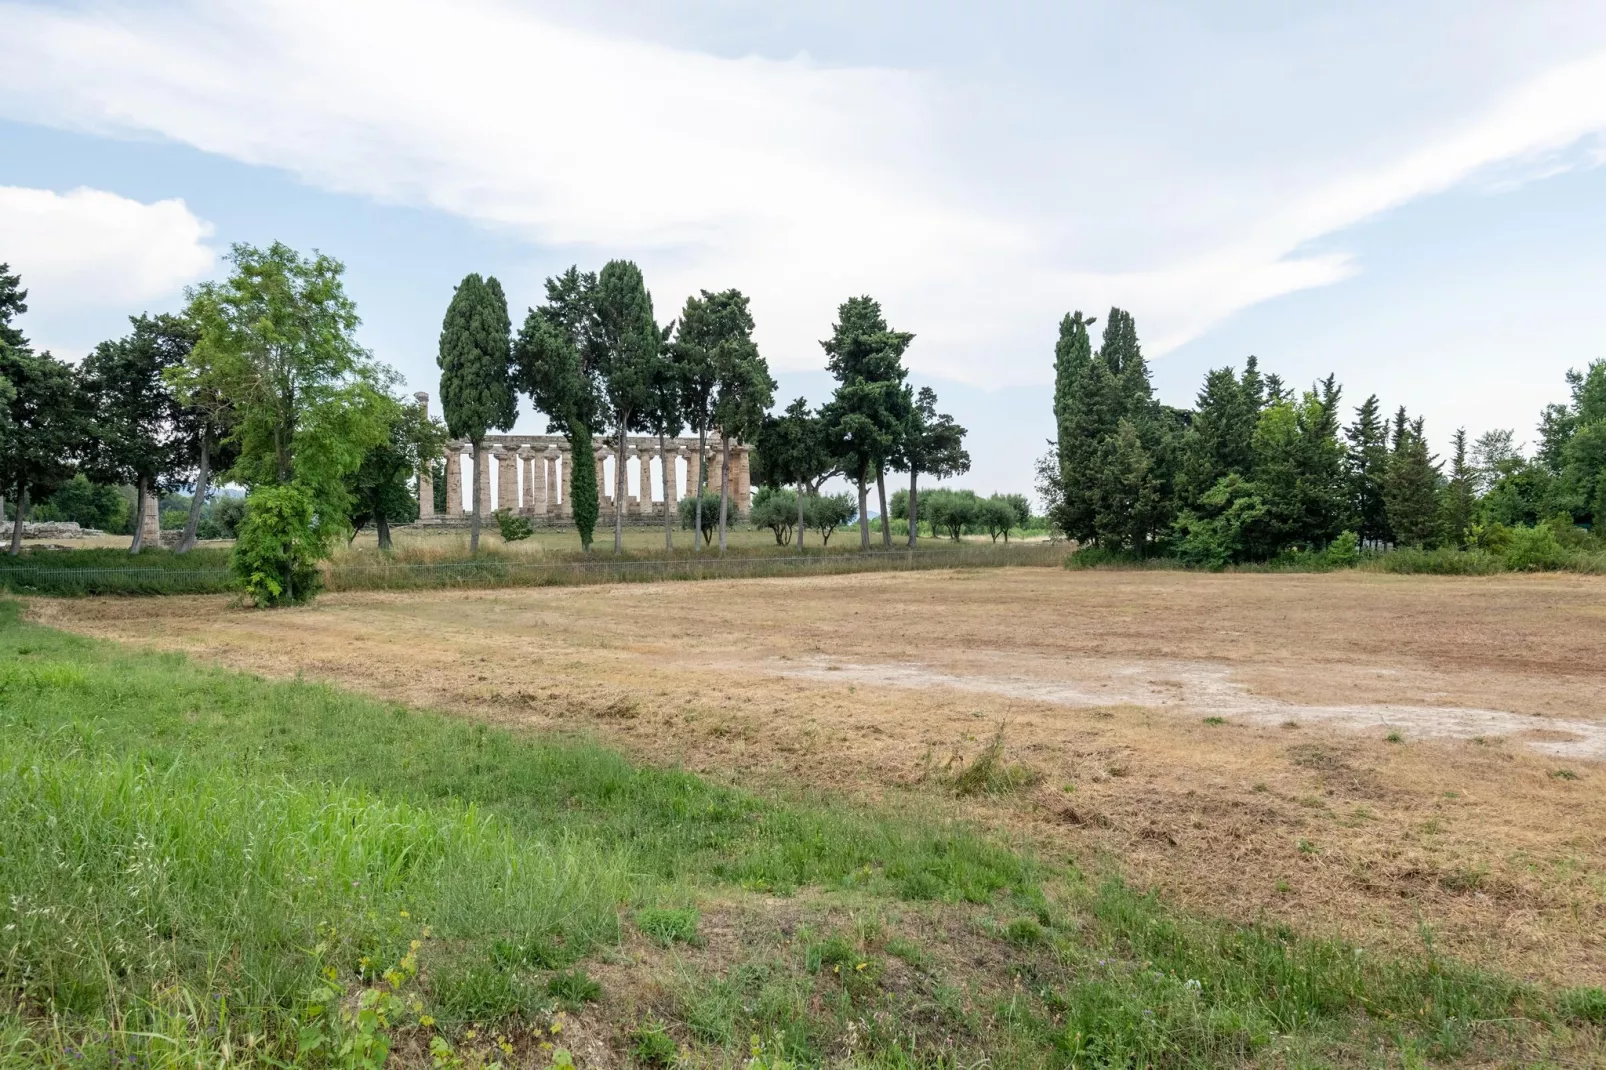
pixel 914 518
pixel 139 517
pixel 382 526
pixel 702 481
pixel 881 492
pixel 620 485
pixel 864 507
pixel 22 511
pixel 203 476
pixel 724 484
pixel 669 474
pixel 474 513
pixel 801 527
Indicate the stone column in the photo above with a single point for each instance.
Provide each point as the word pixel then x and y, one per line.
pixel 568 481
pixel 507 487
pixel 694 472
pixel 482 482
pixel 672 478
pixel 640 503
pixel 744 480
pixel 151 522
pixel 426 479
pixel 454 479
pixel 646 481
pixel 526 503
pixel 716 476
pixel 541 469
pixel 604 491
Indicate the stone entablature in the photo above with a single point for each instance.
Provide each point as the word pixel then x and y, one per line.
pixel 534 472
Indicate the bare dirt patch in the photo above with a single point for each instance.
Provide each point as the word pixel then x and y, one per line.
pixel 1390 752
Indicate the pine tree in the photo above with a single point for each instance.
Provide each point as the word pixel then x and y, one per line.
pixel 1220 436
pixel 476 376
pixel 866 357
pixel 1411 489
pixel 628 345
pixel 1459 494
pixel 1366 467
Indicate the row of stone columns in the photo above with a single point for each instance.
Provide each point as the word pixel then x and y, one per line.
pixel 539 479
pixel 531 476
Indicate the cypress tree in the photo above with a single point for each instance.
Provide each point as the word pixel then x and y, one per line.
pixel 556 361
pixel 476 376
pixel 583 484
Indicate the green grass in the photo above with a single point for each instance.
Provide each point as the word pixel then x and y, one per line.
pixel 192 862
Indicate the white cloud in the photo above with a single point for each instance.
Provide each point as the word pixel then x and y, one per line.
pixel 798 181
pixel 90 248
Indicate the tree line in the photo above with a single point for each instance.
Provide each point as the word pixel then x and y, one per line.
pixel 1256 469
pixel 259 381
pixel 593 359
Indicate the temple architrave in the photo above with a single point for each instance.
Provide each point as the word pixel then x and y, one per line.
pixel 534 473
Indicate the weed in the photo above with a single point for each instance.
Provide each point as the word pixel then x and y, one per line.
pixel 1394 737
pixel 991 774
pixel 668 925
pixel 651 1045
pixel 1583 1004
pixel 1215 720
pixel 1563 774
pixel 1025 932
pixel 572 988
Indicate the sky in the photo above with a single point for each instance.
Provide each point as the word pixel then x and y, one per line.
pixel 1408 195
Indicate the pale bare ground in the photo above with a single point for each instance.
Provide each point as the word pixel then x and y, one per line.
pixel 1485 822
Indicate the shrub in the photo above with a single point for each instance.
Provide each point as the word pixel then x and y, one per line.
pixel 997 515
pixel 1344 551
pixel 775 509
pixel 1535 549
pixel 221 519
pixel 512 526
pixel 276 556
pixel 825 513
pixel 688 515
pixel 89 505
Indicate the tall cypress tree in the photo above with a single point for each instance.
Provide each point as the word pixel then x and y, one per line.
pixel 556 362
pixel 628 342
pixel 1076 444
pixel 476 374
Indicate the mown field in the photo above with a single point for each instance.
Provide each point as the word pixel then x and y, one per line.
pixel 200 866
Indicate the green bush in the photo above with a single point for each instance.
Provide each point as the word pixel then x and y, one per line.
pixel 512 526
pixel 776 509
pixel 688 515
pixel 220 518
pixel 276 556
pixel 90 505
pixel 1344 551
pixel 827 512
pixel 1535 549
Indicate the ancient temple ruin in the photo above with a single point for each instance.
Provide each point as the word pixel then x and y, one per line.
pixel 533 475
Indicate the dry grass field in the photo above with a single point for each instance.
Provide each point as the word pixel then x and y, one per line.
pixel 1378 756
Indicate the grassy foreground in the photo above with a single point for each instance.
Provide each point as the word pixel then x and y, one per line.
pixel 201 868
